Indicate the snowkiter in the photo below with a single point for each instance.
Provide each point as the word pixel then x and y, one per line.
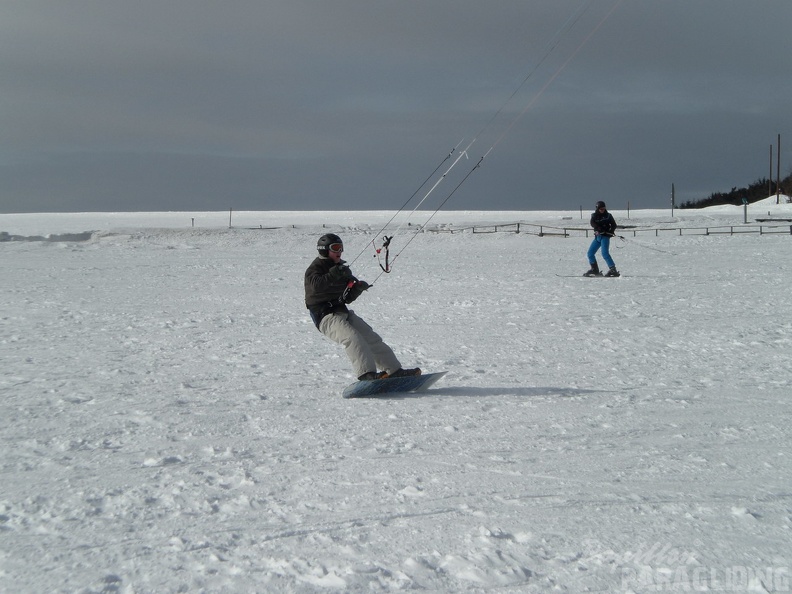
pixel 329 287
pixel 604 226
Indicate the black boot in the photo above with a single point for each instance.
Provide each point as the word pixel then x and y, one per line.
pixel 612 272
pixel 593 271
pixel 405 372
pixel 372 375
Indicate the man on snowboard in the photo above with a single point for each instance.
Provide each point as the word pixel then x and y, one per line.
pixel 329 287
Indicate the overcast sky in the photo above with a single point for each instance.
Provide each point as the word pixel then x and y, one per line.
pixel 112 105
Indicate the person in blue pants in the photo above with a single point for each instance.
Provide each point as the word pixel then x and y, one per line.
pixel 604 226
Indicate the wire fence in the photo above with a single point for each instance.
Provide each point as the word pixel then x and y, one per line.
pixel 634 231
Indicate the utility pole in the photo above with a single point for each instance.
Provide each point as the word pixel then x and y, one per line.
pixel 778 171
pixel 673 202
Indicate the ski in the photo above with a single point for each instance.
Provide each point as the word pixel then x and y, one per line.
pixel 586 276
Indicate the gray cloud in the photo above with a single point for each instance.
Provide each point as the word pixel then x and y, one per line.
pixel 198 105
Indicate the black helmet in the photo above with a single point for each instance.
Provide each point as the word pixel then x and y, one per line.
pixel 600 204
pixel 325 241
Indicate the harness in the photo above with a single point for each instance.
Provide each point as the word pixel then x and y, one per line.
pixel 319 311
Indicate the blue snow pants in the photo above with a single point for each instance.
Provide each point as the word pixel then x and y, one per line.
pixel 600 241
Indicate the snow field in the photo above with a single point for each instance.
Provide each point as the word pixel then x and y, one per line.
pixel 172 420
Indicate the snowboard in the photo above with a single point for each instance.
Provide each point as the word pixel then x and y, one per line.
pixel 391 385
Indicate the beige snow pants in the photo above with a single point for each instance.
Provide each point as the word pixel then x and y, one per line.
pixel 364 347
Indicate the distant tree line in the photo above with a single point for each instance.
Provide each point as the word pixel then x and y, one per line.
pixel 759 190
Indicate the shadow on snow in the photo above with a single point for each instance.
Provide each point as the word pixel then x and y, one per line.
pixel 470 391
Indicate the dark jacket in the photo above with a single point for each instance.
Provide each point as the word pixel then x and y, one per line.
pixel 324 294
pixel 603 223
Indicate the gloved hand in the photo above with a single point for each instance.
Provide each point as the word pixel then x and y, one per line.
pixel 356 290
pixel 340 272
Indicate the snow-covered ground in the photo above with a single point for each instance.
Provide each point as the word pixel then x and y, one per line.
pixel 171 421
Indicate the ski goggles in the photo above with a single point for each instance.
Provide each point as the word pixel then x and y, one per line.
pixel 336 248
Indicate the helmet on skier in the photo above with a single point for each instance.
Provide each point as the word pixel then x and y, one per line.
pixel 329 242
pixel 600 204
